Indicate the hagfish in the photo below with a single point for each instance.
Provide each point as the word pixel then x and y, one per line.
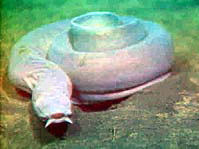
pixel 101 55
pixel 30 71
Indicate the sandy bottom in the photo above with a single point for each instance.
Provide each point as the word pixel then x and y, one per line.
pixel 165 115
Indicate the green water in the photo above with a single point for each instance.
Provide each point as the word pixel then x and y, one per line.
pixel 165 116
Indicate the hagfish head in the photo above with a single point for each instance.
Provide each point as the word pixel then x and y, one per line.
pixel 58 118
pixel 54 108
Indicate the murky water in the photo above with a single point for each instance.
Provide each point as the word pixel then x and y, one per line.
pixel 164 116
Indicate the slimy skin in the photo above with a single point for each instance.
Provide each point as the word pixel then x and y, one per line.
pixel 30 71
pixel 108 73
pixel 102 55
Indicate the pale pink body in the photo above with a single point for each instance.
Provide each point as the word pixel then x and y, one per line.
pixel 44 63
